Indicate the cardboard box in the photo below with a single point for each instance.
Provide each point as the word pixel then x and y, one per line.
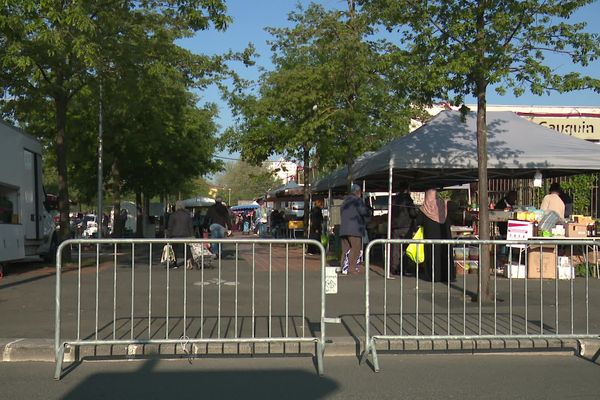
pixel 581 219
pixel 566 272
pixel 515 271
pixel 519 230
pixel 548 262
pixel 576 230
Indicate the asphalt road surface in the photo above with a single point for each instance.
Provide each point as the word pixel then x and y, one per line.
pixel 458 376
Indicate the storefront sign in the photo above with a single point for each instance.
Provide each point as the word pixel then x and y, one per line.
pixel 580 127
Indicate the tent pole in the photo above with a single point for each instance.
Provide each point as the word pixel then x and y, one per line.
pixel 329 195
pixel 388 257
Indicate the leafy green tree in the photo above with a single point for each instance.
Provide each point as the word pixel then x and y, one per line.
pixel 327 99
pixel 465 47
pixel 52 50
pixel 245 181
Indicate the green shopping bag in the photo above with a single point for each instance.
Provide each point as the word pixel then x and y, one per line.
pixel 414 251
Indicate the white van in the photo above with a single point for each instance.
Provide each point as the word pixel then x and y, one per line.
pixel 26 226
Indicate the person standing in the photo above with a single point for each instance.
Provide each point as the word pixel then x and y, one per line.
pixel 505 203
pixel 180 226
pixel 553 202
pixel 316 226
pixel 568 203
pixel 218 221
pixel 439 261
pixel 404 214
pixel 261 218
pixel 354 218
pixel 277 224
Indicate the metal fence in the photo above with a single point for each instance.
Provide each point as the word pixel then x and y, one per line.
pixel 538 289
pixel 117 292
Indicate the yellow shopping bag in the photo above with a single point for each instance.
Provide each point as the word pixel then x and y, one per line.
pixel 414 251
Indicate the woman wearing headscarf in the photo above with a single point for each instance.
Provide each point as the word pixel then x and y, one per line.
pixel 439 262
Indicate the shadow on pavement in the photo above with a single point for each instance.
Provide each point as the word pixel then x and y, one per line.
pixel 223 384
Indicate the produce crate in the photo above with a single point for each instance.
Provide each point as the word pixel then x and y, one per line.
pixel 548 262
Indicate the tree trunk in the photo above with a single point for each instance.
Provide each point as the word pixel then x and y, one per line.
pixel 139 216
pixel 307 205
pixel 481 84
pixel 484 220
pixel 60 103
pixel 162 220
pixel 118 223
pixel 146 216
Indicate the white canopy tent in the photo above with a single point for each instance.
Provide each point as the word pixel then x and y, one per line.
pixel 443 152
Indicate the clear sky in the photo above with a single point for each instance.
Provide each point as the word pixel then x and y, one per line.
pixel 250 17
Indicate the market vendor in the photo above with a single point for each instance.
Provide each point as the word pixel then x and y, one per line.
pixel 505 203
pixel 553 202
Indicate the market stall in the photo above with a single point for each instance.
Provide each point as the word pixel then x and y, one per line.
pixel 443 152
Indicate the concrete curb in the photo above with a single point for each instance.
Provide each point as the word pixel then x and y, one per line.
pixel 42 350
pixel 23 349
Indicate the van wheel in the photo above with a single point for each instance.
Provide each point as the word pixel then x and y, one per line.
pixel 51 255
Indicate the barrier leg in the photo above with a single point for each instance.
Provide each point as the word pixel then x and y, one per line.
pixel 375 359
pixel 364 355
pixel 320 352
pixel 59 360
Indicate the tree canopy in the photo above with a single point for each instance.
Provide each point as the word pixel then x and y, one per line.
pixel 55 54
pixel 467 46
pixel 329 97
pixel 244 181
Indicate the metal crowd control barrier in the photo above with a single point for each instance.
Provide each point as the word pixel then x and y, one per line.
pixel 116 293
pixel 540 295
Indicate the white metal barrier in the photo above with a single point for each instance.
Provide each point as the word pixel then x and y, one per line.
pixel 534 290
pixel 254 291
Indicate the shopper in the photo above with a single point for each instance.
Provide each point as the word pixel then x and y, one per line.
pixel 316 226
pixel 180 226
pixel 439 261
pixel 261 218
pixel 218 221
pixel 354 218
pixel 404 214
pixel 277 224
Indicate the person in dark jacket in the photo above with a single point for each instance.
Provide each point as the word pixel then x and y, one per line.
pixel 404 213
pixel 354 218
pixel 505 203
pixel 316 226
pixel 568 200
pixel 277 224
pixel 180 226
pixel 218 221
pixel 439 261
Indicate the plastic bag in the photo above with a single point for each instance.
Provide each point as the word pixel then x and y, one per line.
pixel 414 251
pixel 168 255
